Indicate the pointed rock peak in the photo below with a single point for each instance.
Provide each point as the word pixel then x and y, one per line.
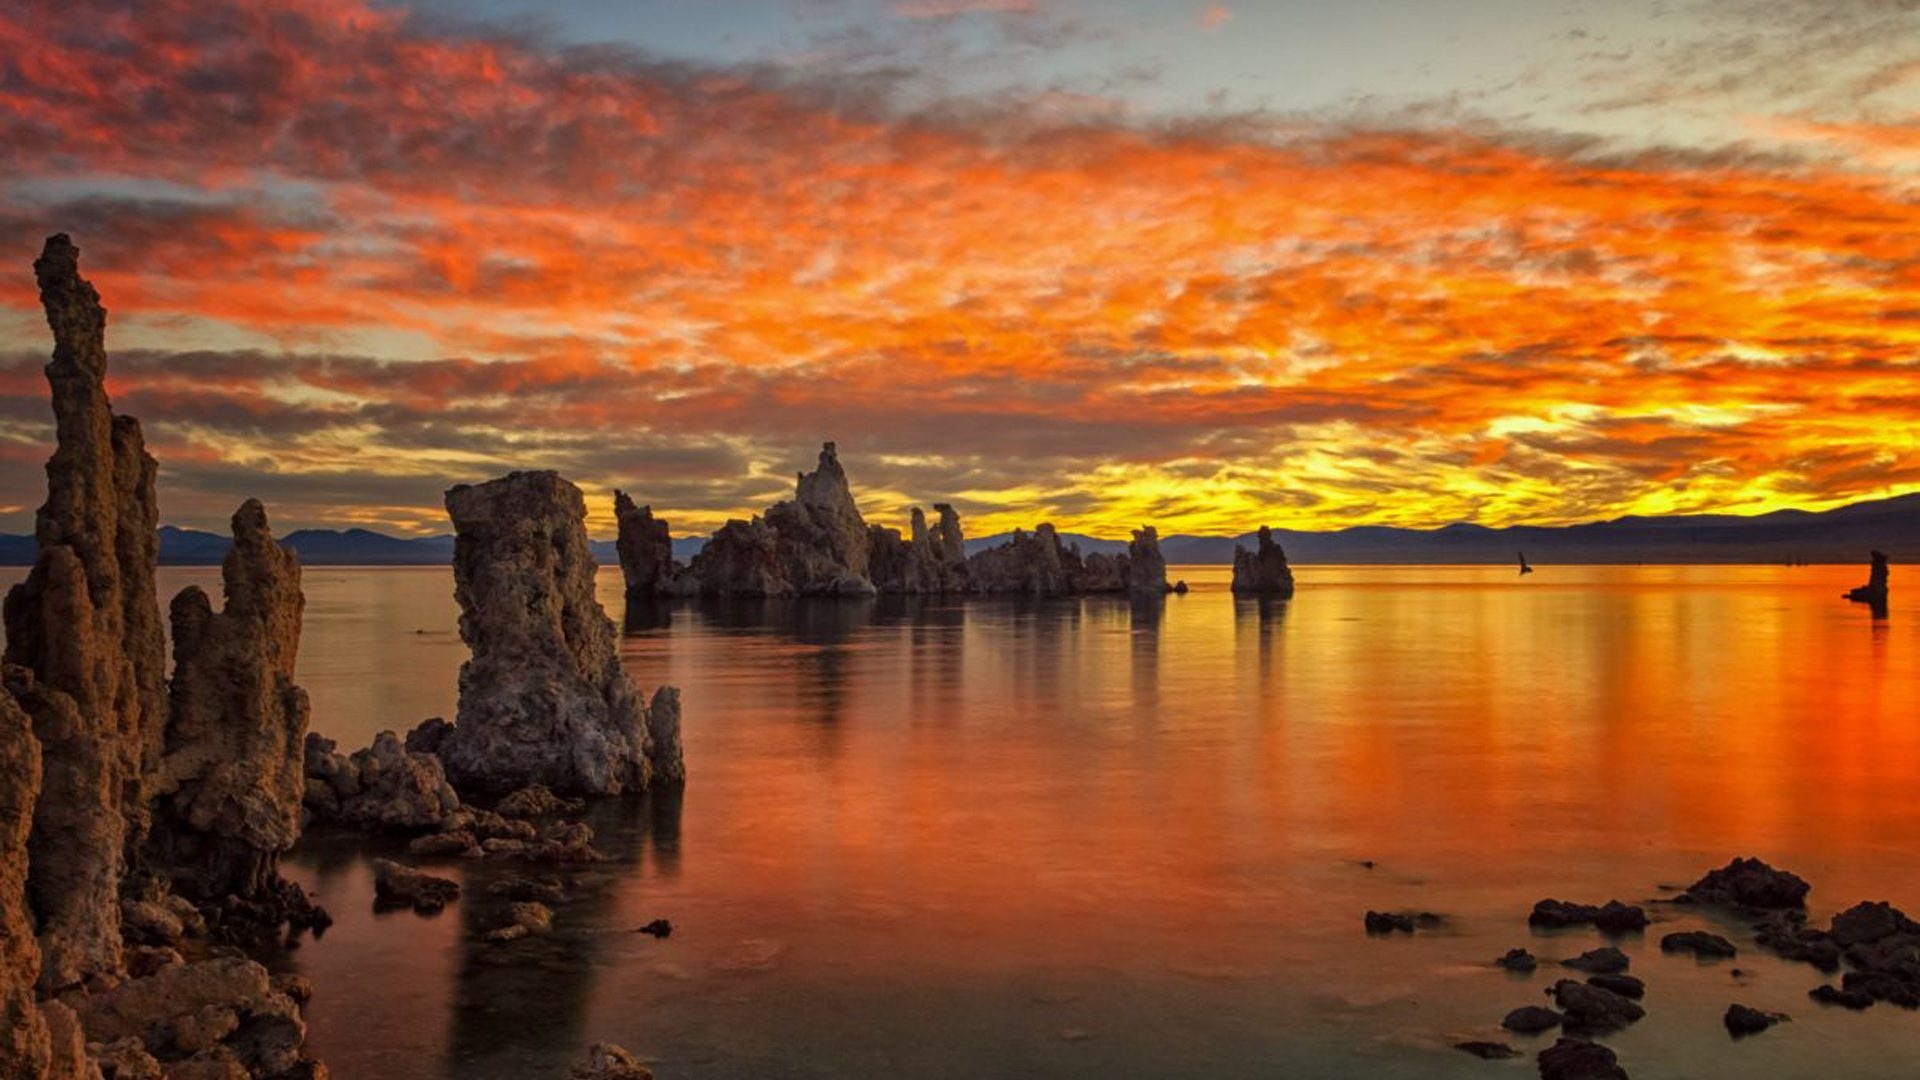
pixel 622 505
pixel 73 307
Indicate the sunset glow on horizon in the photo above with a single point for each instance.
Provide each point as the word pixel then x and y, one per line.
pixel 356 253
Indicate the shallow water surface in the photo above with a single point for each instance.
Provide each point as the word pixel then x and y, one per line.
pixel 1084 839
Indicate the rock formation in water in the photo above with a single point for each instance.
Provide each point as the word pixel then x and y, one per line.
pixel 819 533
pixel 543 700
pixel 646 553
pixel 932 562
pixel 1874 592
pixel 84 649
pixel 384 786
pixel 1146 567
pixel 1034 564
pixel 663 736
pixel 742 560
pixel 229 785
pixel 83 725
pixel 1263 571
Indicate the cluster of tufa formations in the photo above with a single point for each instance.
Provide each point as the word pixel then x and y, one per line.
pixel 143 813
pixel 817 544
pixel 137 811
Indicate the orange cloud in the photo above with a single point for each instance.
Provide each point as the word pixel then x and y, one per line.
pixel 298 211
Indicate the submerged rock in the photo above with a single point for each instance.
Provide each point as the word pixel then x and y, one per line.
pixel 1518 960
pixel 606 1061
pixel 1531 1020
pixel 1749 883
pixel 1846 999
pixel 1263 571
pixel 1386 922
pixel 1602 961
pixel 524 918
pixel 232 775
pixel 1743 1020
pixel 399 886
pixel 1700 943
pixel 1625 985
pixel 543 700
pixel 1487 1051
pixel 83 640
pixel 1578 1059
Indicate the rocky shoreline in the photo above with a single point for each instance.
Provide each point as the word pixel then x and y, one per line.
pixel 144 811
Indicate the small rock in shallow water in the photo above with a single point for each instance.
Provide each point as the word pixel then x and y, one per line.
pixel 1602 961
pixel 1518 960
pixel 1487 1051
pixel 1613 917
pixel 1846 999
pixel 1594 1008
pixel 1577 1059
pixel 398 886
pixel 525 918
pixel 1742 1020
pixel 658 928
pixel 1749 883
pixel 1700 943
pixel 1625 985
pixel 1383 922
pixel 1531 1020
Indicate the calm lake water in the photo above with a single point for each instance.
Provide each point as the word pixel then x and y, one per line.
pixel 1079 839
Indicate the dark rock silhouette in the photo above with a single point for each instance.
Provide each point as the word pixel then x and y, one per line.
pixel 646 552
pixel 1531 1020
pixel 1700 943
pixel 1593 1008
pixel 1613 916
pixel 1749 883
pixel 932 562
pixel 1744 1020
pixel 543 700
pixel 1874 592
pixel 230 782
pixel 1263 571
pixel 1146 567
pixel 1606 960
pixel 1525 567
pixel 742 560
pixel 1578 1059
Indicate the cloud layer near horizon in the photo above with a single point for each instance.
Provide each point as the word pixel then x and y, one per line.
pixel 353 257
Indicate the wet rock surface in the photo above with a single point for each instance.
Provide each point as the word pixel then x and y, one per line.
pixel 1487 1051
pixel 1518 960
pixel 1626 986
pixel 383 786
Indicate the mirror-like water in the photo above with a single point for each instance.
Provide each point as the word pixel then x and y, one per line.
pixel 1077 839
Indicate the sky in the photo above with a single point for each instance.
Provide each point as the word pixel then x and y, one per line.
pixel 1202 265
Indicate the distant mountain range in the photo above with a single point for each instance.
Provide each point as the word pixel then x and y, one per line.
pixel 1841 535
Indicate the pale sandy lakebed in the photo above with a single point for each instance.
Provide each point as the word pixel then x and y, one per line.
pixel 1078 839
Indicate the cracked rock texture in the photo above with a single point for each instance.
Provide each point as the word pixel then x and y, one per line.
pixel 228 789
